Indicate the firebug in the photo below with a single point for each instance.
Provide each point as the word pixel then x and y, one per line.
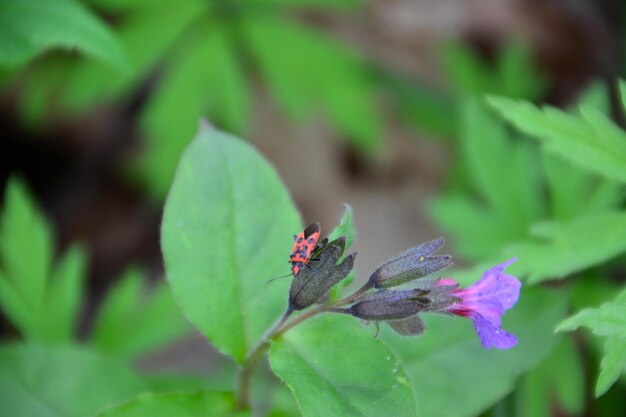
pixel 303 246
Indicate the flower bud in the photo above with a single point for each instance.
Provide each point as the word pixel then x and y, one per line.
pixel 319 276
pixel 390 305
pixel 410 265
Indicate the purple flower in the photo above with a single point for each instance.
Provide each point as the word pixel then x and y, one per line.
pixel 485 301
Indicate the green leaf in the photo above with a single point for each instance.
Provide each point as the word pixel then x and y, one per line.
pixel 513 75
pixel 147 42
pixel 226 229
pixel 575 192
pixel 589 139
pixel 607 320
pixel 131 321
pixel 25 235
pixel 562 248
pixel 311 69
pixel 425 109
pixel 613 364
pixel 205 77
pixel 471 224
pixel 566 371
pixel 345 228
pixel 65 293
pixel 29 27
pixel 335 367
pixel 67 381
pixel 206 403
pixel 447 361
pixel 500 167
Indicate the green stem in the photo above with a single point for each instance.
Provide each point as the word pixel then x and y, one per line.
pixel 244 374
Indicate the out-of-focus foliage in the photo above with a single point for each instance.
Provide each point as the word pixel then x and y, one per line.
pixel 30 27
pixel 609 320
pixel 203 61
pixel 43 299
pixel 132 320
pixel 206 403
pixel 441 113
pixel 588 138
pixel 68 381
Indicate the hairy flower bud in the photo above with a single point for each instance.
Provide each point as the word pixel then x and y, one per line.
pixel 410 265
pixel 390 305
pixel 320 275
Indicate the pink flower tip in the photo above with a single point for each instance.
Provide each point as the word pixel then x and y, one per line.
pixel 486 301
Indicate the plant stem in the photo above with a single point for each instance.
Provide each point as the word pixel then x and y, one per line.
pixel 244 374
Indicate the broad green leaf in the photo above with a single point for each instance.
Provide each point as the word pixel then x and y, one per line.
pixel 226 230
pixel 25 235
pixel 29 27
pixel 132 320
pixel 562 248
pixel 335 367
pixel 200 404
pixel 589 139
pixel 67 381
pixel 448 361
pixel 65 293
pixel 310 69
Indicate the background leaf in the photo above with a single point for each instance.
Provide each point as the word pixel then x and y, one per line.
pixel 67 381
pixel 132 320
pixel 607 320
pixel 589 139
pixel 335 367
pixel 559 249
pixel 28 27
pixel 65 293
pixel 227 227
pixel 206 403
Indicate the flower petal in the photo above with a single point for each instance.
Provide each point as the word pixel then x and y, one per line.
pixel 492 335
pixel 495 290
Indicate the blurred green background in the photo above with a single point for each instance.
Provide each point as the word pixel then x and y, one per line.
pixel 421 114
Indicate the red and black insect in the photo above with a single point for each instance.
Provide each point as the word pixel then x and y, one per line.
pixel 304 245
